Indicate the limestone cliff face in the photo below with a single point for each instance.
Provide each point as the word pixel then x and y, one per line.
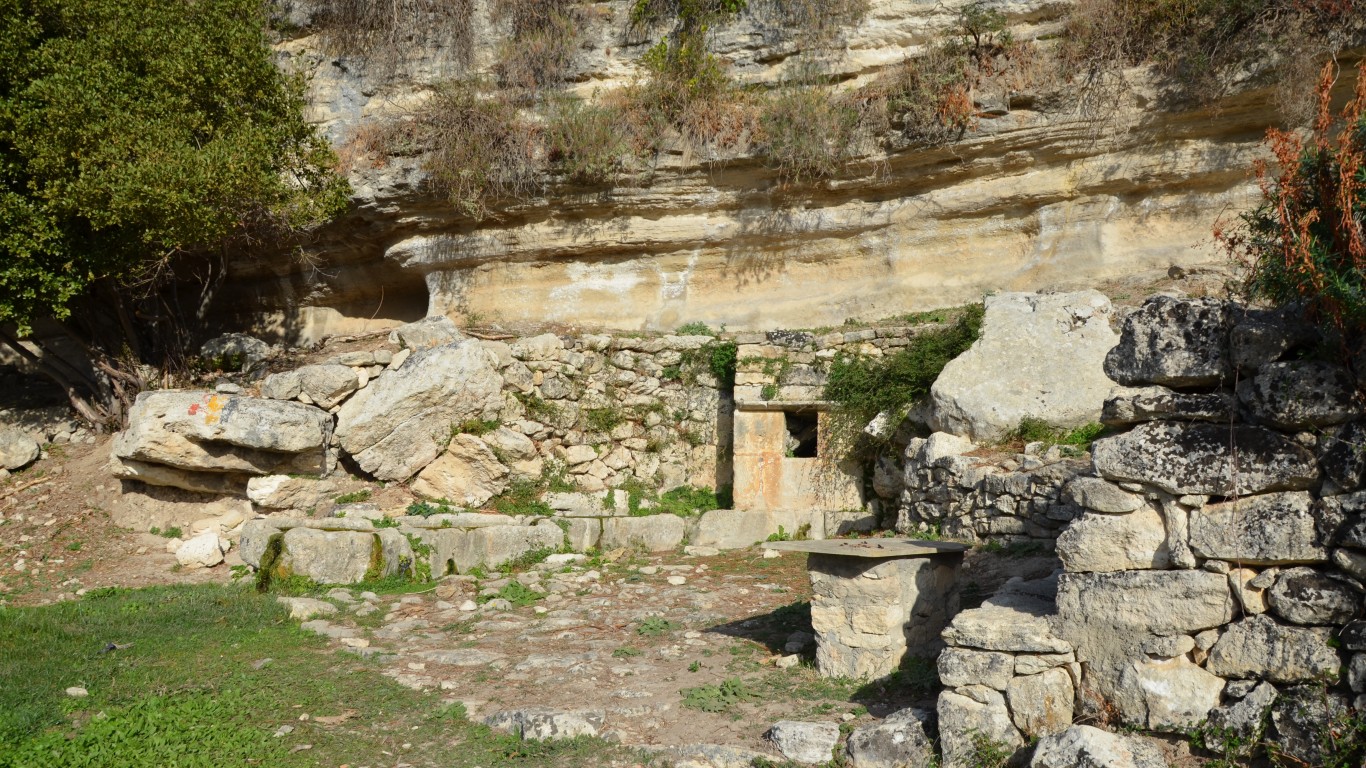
pixel 1038 196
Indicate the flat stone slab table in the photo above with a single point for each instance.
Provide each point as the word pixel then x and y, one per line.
pixel 878 601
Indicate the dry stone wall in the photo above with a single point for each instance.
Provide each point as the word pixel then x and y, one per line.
pixel 1213 579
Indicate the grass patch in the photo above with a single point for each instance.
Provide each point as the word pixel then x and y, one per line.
pixel 354 497
pixel 182 690
pixel 522 497
pixel 1035 430
pixel 655 626
pixel 515 592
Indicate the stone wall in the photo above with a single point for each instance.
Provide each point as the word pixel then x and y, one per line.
pixel 461 418
pixel 1214 577
pixel 969 498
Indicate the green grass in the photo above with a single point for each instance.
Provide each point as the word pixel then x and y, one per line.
pixel 718 698
pixel 183 691
pixel 1035 430
pixel 654 626
pixel 354 497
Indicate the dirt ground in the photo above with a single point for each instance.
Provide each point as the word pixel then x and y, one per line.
pixel 630 635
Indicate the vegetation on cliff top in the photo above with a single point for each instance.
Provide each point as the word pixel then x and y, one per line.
pixel 130 134
pixel 1306 242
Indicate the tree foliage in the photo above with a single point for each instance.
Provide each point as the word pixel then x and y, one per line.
pixel 135 130
pixel 1306 242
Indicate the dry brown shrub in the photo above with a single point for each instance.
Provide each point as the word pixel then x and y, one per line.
pixel 1203 49
pixel 543 38
pixel 382 31
pixel 480 149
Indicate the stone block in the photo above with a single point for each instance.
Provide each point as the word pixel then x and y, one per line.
pixel 1105 542
pixel 654 533
pixel 1272 529
pixel 1195 458
pixel 1173 342
pixel 897 741
pixel 969 714
pixel 964 666
pixel 328 557
pixel 731 528
pixel 1258 647
pixel 1041 705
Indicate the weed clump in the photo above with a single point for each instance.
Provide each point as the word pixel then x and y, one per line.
pixel 860 388
pixel 718 698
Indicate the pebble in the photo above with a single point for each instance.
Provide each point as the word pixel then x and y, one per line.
pixel 469 605
pixel 77 692
pixel 677 581
pixel 772 554
pixel 650 570
pixel 787 662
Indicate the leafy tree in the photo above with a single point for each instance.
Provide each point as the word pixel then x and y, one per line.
pixel 1306 242
pixel 134 133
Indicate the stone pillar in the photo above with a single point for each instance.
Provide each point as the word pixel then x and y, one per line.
pixel 870 614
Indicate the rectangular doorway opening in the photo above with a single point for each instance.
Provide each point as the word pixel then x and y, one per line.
pixel 803 434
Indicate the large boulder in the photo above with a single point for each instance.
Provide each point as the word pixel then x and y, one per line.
pixel 1306 596
pixel 1198 458
pixel 1039 356
pixel 234 351
pixel 426 333
pixel 1272 529
pixel 208 432
pixel 1301 395
pixel 1260 648
pixel 17 449
pixel 468 473
pixel 898 741
pixel 329 557
pixel 1083 746
pixel 400 423
pixel 1173 342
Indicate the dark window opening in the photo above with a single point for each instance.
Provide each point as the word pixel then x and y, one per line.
pixel 803 434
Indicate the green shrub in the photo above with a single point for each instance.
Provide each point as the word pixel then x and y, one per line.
pixel 695 328
pixel 604 419
pixel 860 388
pixel 355 497
pixel 1305 244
